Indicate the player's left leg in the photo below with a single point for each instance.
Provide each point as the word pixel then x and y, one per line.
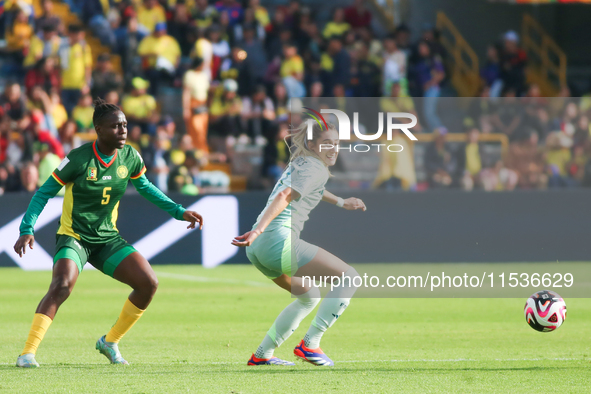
pixel 334 304
pixel 288 320
pixel 135 271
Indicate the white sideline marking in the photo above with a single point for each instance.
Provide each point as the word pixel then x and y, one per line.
pixel 204 279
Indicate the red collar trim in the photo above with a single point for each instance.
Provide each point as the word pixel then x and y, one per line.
pixel 99 157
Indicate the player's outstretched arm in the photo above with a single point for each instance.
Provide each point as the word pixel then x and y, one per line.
pixel 350 204
pixel 151 193
pixel 48 190
pixel 281 201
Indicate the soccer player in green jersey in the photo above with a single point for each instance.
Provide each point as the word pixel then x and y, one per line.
pixel 95 176
pixel 275 248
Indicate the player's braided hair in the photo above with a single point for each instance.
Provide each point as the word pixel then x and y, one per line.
pixel 101 109
pixel 299 140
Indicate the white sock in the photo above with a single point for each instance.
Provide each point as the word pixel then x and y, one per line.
pixel 333 305
pixel 287 322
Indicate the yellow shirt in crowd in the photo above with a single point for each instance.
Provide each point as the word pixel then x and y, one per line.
pixel 165 46
pixel 36 50
pixel 59 114
pixel 290 67
pixel 262 16
pixel 74 76
pixel 473 162
pixel 150 17
pixel 17 37
pixel 335 29
pixel 83 117
pixel 198 84
pixel 138 106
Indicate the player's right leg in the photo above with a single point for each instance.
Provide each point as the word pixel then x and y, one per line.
pixel 270 254
pixel 325 264
pixel 65 274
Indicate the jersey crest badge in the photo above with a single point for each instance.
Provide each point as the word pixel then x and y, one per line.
pixel 122 172
pixel 92 174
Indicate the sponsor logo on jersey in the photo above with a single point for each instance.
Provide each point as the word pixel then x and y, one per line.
pixel 122 172
pixel 106 177
pixel 92 174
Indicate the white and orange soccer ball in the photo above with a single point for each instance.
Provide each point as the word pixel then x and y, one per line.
pixel 545 311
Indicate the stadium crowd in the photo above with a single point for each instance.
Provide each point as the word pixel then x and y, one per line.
pixel 238 65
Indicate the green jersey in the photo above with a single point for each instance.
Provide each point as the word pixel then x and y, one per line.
pixel 93 190
pixel 307 176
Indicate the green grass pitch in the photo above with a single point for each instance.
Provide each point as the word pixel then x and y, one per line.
pixel 203 326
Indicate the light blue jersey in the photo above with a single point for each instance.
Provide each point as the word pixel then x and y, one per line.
pixel 307 175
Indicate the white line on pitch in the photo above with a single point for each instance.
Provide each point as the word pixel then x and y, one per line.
pixel 204 279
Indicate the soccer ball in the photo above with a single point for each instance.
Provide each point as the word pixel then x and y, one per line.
pixel 545 311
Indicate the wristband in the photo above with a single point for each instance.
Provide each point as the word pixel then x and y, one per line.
pixel 340 202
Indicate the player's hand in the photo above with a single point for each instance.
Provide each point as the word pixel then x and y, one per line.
pixel 246 239
pixel 20 247
pixel 193 217
pixel 352 204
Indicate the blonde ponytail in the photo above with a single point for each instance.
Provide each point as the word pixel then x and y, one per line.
pixel 299 139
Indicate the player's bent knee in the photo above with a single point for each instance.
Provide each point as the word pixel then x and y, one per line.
pixel 61 288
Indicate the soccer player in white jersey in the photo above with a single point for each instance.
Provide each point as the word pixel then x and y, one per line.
pixel 275 248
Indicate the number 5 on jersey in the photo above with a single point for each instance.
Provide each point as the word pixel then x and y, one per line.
pixel 106 197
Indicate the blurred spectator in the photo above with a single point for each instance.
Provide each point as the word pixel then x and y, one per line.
pixel 365 78
pixel 150 14
pixel 58 112
pixel 128 40
pixel 45 74
pixel 357 15
pixel 46 44
pixel 258 113
pixel 394 65
pixel 139 106
pixel 29 177
pixel 337 26
pixel 276 154
pixel 336 66
pixel 82 114
pixel 491 71
pixel 429 73
pixel 203 48
pixel 220 50
pixel 249 21
pixel 224 116
pixel 158 160
pixel 47 160
pixel 232 8
pixel 261 14
pixel 558 157
pixel 513 62
pixel 161 55
pixel 181 29
pixel 94 14
pixel 204 14
pixel 440 162
pixel 399 103
pixel 292 71
pixel 470 160
pixel 396 169
pixel 509 118
pixel 195 89
pixel 14 105
pixel 255 60
pixel 76 65
pixel 67 135
pixel 18 36
pixel 104 79
pixel 498 178
pixel 112 97
pixel 528 161
pixel 47 18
